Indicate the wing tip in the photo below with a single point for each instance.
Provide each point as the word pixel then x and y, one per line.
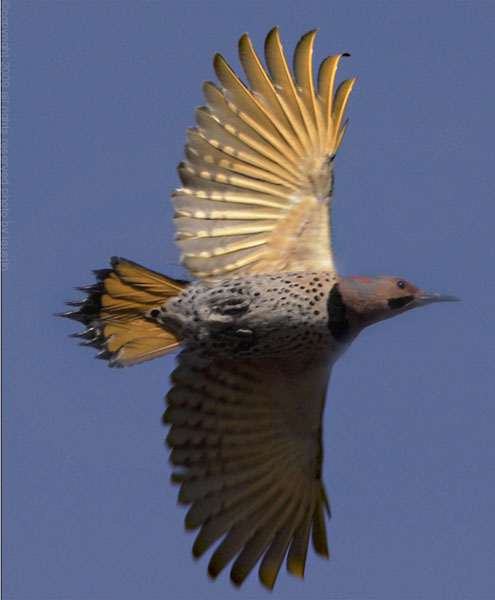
pixel 244 39
pixel 267 579
pixel 214 568
pixel 272 36
pixel 309 34
pixel 296 568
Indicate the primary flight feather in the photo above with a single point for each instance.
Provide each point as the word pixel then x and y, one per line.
pixel 266 318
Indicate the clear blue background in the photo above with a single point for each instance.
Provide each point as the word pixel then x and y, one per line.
pixel 101 95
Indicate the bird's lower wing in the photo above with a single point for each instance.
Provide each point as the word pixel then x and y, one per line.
pixel 257 181
pixel 246 440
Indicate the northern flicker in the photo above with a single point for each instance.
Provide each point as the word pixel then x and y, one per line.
pixel 266 317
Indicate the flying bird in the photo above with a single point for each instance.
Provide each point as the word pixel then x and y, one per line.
pixel 263 320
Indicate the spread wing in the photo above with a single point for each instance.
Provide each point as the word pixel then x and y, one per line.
pixel 257 180
pixel 246 441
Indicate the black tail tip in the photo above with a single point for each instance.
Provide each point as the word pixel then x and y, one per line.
pixel 115 260
pixel 87 312
pixel 76 315
pixel 101 274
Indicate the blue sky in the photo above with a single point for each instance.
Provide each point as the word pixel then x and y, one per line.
pixel 101 94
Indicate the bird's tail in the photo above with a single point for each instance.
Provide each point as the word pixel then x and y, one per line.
pixel 114 313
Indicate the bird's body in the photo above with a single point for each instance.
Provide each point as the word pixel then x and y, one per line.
pixel 267 317
pixel 258 315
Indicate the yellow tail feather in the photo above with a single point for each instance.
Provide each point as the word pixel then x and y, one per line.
pixel 114 313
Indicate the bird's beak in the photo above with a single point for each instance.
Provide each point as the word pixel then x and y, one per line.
pixel 428 297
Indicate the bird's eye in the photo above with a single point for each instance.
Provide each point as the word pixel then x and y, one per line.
pixel 401 285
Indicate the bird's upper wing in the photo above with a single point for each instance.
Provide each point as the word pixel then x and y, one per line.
pixel 257 181
pixel 246 440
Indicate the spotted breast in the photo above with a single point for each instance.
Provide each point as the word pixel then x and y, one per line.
pixel 260 315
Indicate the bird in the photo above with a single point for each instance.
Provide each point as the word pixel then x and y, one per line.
pixel 263 317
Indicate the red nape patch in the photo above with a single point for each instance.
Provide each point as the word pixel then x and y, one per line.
pixel 363 279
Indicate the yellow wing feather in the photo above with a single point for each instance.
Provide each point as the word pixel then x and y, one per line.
pixel 257 181
pixel 303 71
pixel 248 460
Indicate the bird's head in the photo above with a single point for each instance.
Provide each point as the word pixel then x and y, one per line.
pixel 374 298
